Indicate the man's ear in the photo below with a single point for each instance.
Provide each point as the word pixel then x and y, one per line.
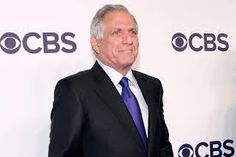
pixel 95 44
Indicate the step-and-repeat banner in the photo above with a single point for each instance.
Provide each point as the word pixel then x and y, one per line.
pixel 189 45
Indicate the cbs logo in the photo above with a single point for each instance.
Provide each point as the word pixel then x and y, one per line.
pixel 198 42
pixel 211 149
pixel 49 42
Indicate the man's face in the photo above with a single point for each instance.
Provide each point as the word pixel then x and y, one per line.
pixel 118 48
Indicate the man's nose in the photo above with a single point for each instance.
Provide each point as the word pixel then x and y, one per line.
pixel 127 38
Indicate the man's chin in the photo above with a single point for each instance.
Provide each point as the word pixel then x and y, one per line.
pixel 127 65
pixel 129 62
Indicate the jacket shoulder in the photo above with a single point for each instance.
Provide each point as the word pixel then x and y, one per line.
pixel 80 76
pixel 147 77
pixel 81 81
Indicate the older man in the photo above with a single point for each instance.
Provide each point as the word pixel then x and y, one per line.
pixel 110 110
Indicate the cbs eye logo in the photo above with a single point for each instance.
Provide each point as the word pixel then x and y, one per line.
pixel 48 42
pixel 185 150
pixel 198 42
pixel 10 43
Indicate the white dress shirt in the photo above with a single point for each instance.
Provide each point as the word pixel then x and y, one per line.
pixel 116 77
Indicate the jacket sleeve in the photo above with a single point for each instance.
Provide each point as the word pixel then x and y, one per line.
pixel 165 148
pixel 66 122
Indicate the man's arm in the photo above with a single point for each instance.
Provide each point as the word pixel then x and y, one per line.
pixel 66 122
pixel 166 148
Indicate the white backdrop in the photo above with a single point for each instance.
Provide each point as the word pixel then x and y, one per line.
pixel 199 87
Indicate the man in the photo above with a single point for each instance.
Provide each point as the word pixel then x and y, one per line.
pixel 110 110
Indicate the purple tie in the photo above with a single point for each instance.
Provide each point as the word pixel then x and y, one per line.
pixel 133 107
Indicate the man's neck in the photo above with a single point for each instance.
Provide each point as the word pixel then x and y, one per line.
pixel 122 70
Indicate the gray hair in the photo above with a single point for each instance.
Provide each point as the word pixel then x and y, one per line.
pixel 96 28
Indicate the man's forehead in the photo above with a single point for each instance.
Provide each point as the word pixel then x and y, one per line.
pixel 119 20
pixel 121 27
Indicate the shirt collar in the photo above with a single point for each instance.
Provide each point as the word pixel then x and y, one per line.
pixel 132 80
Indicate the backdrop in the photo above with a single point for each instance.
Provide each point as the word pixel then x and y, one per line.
pixel 189 45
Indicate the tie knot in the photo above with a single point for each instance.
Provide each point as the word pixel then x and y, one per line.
pixel 124 82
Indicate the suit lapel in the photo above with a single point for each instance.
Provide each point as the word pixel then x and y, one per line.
pixel 111 97
pixel 149 95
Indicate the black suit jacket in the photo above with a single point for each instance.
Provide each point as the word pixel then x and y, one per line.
pixel 89 118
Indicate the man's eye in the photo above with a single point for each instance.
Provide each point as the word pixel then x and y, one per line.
pixel 115 32
pixel 134 32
